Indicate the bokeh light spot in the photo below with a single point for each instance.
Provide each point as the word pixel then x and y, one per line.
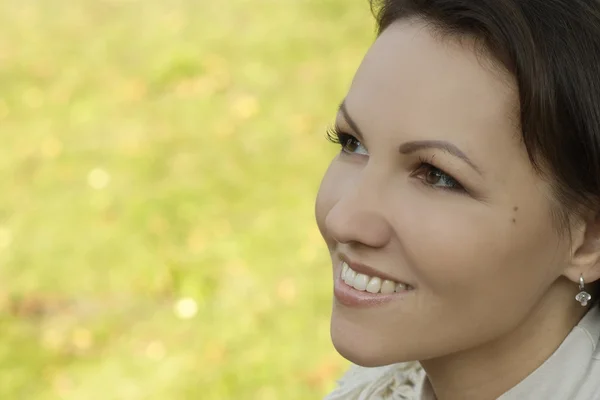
pixel 186 308
pixel 98 178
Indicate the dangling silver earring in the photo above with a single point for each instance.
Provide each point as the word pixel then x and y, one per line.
pixel 583 297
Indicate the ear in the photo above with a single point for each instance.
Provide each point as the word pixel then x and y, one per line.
pixel 585 259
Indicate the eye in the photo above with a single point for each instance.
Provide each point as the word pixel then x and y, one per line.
pixel 349 143
pixel 436 178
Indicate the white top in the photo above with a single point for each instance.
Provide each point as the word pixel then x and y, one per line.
pixel 572 372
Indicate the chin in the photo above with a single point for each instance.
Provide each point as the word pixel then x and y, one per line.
pixel 361 359
pixel 364 347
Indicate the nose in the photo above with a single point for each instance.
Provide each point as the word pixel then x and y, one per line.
pixel 359 217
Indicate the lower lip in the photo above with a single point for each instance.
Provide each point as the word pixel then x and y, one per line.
pixel 351 297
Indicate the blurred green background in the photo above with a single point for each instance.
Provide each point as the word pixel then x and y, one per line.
pixel 158 170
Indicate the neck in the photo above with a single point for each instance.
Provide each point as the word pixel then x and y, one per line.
pixel 489 370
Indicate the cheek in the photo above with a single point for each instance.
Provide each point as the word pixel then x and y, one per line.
pixel 460 251
pixel 478 273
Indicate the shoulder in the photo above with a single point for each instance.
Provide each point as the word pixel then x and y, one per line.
pixel 395 382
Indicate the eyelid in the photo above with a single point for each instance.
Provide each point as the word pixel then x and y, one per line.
pixel 426 167
pixel 465 189
pixel 339 136
pixel 344 126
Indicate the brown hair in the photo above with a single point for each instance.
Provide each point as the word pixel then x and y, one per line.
pixel 552 48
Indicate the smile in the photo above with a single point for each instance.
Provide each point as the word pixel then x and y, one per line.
pixel 355 289
pixel 371 284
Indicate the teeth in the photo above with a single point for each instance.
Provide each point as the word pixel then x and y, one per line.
pixel 388 287
pixel 400 287
pixel 373 284
pixel 349 277
pixel 360 282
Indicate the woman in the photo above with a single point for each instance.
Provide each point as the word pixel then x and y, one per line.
pixel 462 213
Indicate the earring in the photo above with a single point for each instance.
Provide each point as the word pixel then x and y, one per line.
pixel 583 297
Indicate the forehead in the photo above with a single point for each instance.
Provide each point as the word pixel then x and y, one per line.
pixel 414 83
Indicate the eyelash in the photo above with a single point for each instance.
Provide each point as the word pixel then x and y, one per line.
pixel 335 135
pixel 428 165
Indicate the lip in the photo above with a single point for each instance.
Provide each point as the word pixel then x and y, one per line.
pixel 350 297
pixel 365 269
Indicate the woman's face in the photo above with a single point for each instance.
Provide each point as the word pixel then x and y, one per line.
pixel 433 189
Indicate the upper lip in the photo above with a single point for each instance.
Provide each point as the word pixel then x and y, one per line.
pixel 365 269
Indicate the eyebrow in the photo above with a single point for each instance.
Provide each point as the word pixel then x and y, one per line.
pixel 413 146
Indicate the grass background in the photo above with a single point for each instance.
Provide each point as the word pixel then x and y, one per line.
pixel 158 169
